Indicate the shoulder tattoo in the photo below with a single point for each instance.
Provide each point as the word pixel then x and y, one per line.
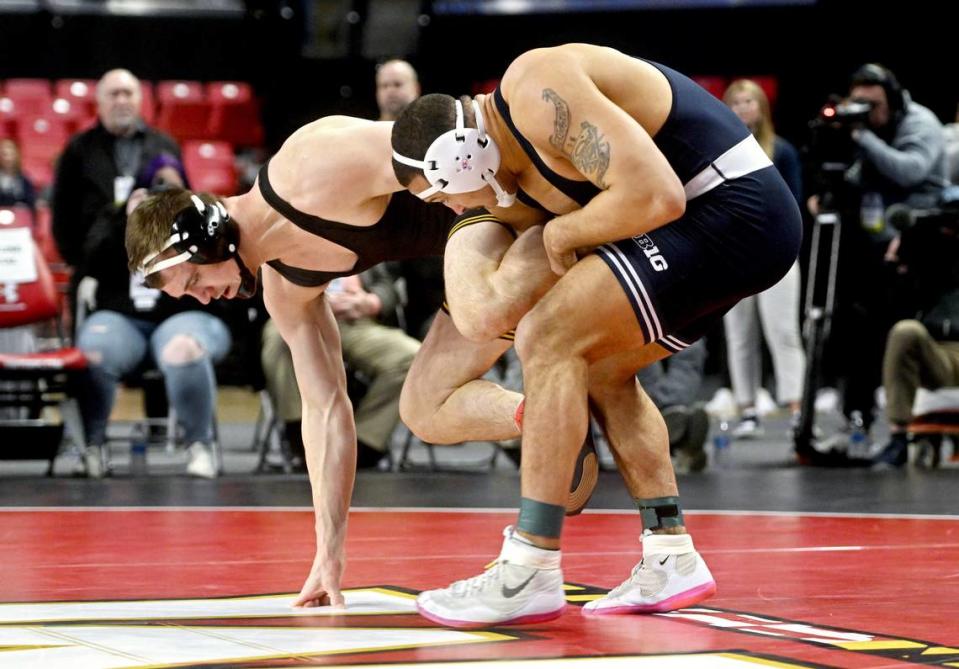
pixel 589 151
pixel 561 122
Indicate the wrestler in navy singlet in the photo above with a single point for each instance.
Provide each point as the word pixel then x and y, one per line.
pixel 409 228
pixel 739 235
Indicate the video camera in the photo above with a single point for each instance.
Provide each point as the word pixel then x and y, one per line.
pixel 832 147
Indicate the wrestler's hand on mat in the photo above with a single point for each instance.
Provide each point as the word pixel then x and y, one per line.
pixel 322 587
pixel 560 257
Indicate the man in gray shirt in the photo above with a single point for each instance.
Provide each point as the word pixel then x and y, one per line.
pixel 901 159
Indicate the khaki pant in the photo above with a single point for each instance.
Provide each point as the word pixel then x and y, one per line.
pixel 913 360
pixel 382 355
pixel 280 379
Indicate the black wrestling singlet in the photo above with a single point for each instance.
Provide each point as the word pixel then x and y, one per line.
pixel 409 228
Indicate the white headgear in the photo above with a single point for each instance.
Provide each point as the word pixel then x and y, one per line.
pixel 461 160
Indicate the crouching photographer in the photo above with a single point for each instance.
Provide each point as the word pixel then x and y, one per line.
pixel 873 149
pixel 922 351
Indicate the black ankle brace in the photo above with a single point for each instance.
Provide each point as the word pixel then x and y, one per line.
pixel 660 513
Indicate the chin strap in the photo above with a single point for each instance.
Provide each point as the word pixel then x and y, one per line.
pixel 503 199
pixel 248 282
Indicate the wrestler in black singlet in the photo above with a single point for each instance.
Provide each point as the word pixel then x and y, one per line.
pixel 409 228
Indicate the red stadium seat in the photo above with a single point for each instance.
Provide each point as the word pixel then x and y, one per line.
pixel 8 119
pixel 229 92
pixel 179 91
pixel 59 114
pixel 43 137
pixel 74 115
pixel 214 179
pixel 43 235
pixel 713 84
pixel 148 105
pixel 210 167
pixel 220 153
pixel 41 140
pixel 184 111
pixel 31 96
pixel 81 93
pixel 16 217
pixel 235 114
pixel 38 170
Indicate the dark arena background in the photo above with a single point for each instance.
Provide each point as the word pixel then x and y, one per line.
pixel 824 556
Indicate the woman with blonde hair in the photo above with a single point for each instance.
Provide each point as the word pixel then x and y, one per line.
pixel 15 187
pixel 774 312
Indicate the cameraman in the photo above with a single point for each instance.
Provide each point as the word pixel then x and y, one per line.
pixel 902 145
pixel 899 158
pixel 923 351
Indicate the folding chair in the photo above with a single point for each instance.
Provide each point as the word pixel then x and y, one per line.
pixel 268 438
pixel 935 421
pixel 37 370
pixel 159 426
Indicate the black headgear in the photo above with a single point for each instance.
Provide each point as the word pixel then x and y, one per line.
pixel 202 234
pixel 874 74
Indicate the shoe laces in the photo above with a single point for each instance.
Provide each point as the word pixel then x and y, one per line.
pixel 471 586
pixel 641 575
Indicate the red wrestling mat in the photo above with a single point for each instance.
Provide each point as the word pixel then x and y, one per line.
pixel 211 587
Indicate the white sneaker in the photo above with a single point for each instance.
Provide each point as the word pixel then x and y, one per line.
pixel 827 400
pixel 722 404
pixel 523 585
pixel 671 575
pixel 201 462
pixel 765 404
pixel 94 463
pixel 748 427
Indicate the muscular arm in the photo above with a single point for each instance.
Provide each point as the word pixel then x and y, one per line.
pixel 306 323
pixel 566 117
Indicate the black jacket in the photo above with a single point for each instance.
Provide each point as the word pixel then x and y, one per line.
pixel 83 184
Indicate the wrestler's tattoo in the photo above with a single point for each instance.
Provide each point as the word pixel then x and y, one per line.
pixel 589 152
pixel 561 122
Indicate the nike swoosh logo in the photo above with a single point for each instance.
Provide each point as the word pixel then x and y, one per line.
pixel 509 592
pixel 663 561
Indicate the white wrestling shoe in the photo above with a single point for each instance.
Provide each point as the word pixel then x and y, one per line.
pixel 671 575
pixel 523 585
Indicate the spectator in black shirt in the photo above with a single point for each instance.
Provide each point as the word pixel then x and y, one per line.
pixel 99 165
pixel 131 324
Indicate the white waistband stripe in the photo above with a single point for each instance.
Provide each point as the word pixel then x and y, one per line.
pixel 746 157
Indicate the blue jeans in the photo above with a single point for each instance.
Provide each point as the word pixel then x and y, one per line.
pixel 117 344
